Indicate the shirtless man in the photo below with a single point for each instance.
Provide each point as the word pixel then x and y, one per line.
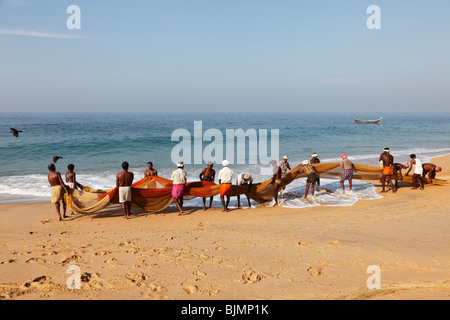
pixel 398 172
pixel 208 174
pixel 150 172
pixel 124 180
pixel 276 180
pixel 431 169
pixel 388 169
pixel 58 187
pixel 71 179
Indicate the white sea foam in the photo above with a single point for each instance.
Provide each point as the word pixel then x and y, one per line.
pixel 328 194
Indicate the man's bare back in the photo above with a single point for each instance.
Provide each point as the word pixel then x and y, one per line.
pixel 70 177
pixel 124 178
pixel 387 159
pixel 54 178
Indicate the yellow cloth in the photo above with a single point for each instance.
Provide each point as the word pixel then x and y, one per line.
pixel 57 194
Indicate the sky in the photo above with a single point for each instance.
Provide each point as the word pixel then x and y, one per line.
pixel 224 55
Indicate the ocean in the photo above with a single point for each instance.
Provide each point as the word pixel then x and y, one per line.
pixel 97 144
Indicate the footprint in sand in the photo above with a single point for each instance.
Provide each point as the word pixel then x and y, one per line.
pixel 93 280
pixel 250 277
pixel 39 260
pixel 199 273
pixel 314 271
pixel 50 253
pixel 37 282
pixel 136 277
pixel 8 261
pixel 191 289
pixel 102 253
pixel 70 259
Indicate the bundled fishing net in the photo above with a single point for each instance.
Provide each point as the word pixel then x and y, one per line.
pixel 154 194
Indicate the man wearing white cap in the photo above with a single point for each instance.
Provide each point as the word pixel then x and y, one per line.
pixel 387 161
pixel 225 179
pixel 247 179
pixel 179 180
pixel 284 165
pixel 347 166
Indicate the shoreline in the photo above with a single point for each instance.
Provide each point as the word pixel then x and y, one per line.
pixel 33 198
pixel 264 253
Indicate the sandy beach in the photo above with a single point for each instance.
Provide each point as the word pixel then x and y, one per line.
pixel 262 253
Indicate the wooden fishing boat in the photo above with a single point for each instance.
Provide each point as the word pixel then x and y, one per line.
pixel 368 121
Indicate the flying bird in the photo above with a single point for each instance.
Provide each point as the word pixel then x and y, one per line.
pixel 56 158
pixel 15 132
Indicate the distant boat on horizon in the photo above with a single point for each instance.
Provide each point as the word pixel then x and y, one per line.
pixel 368 121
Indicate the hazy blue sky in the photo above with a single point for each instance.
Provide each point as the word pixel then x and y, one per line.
pixel 224 55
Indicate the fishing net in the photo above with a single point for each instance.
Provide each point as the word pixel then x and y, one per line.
pixel 154 194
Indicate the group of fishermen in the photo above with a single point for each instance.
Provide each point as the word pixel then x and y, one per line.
pixel 124 179
pixel 393 171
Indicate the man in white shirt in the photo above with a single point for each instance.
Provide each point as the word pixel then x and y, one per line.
pixel 225 179
pixel 418 170
pixel 179 180
pixel 244 179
